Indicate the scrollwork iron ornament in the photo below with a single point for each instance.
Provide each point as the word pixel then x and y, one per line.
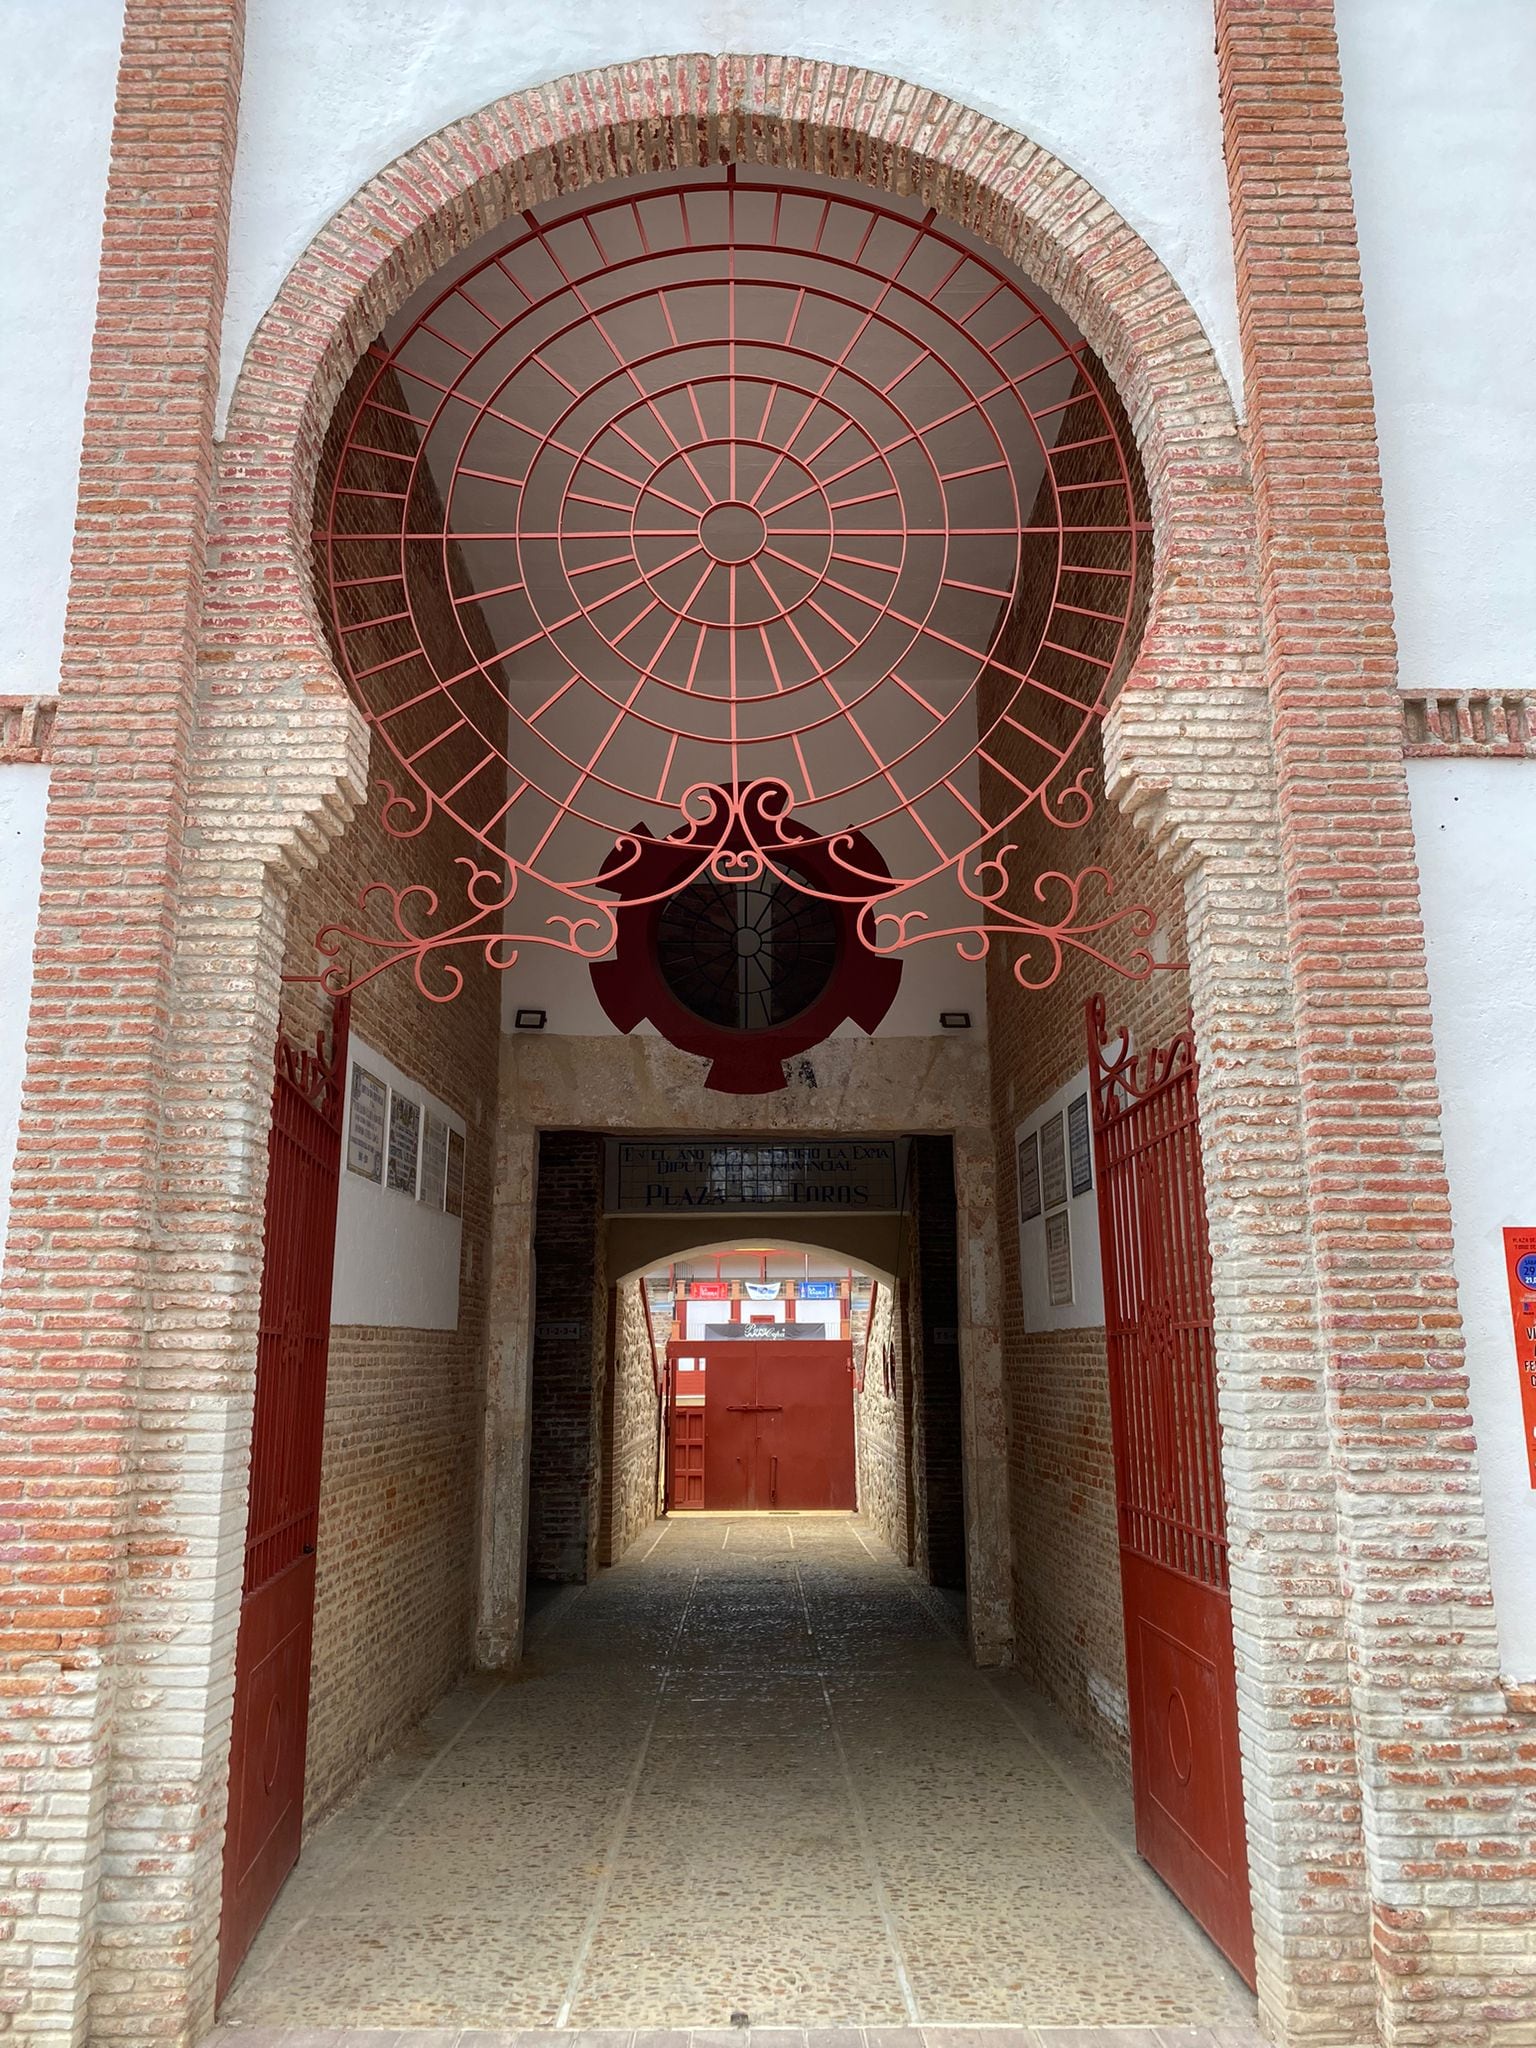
pixel 732 495
pixel 1121 1076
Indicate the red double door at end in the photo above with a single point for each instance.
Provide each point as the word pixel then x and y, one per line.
pixel 777 1427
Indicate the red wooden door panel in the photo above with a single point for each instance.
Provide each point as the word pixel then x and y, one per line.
pixel 730 1404
pixel 1185 1762
pixel 780 1425
pixel 272 1654
pixel 688 1458
pixel 805 1432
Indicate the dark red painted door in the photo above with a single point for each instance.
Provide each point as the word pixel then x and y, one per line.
pixel 685 1444
pixel 1159 1319
pixel 272 1656
pixel 780 1425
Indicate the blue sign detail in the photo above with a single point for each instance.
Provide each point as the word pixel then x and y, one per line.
pixel 1525 1271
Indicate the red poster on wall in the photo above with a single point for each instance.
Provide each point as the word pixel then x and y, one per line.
pixel 1520 1264
pixel 709 1290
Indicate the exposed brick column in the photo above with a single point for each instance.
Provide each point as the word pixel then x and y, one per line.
pixel 79 1277
pixel 1444 1814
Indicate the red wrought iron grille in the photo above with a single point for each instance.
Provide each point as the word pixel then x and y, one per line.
pixel 1158 1310
pixel 716 504
pixel 304 1155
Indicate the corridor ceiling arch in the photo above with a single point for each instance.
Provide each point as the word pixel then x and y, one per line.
pixel 684 1251
pixel 745 512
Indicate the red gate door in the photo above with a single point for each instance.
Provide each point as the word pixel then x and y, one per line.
pixel 272 1655
pixel 685 1449
pixel 1158 1313
pixel 780 1424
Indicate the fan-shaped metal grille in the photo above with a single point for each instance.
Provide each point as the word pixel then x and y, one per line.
pixel 722 485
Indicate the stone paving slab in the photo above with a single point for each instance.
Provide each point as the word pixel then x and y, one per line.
pixel 770 1784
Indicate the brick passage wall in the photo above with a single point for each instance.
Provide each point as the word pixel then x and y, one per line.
pixel 1069 1631
pixel 1070 1635
pixel 395 1583
pixel 631 1427
pixel 394 1589
pixel 569 1341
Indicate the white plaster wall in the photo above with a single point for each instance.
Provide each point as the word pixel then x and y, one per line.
pixel 58 78
pixel 823 1319
pixel 1475 823
pixel 933 978
pixel 23 805
pixel 1123 90
pixel 1438 98
pixel 397 1259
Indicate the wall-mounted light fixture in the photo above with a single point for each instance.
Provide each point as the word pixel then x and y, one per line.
pixel 534 1020
pixel 955 1020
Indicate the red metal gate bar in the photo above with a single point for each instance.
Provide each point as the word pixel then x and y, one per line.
pixel 1159 1321
pixel 272 1656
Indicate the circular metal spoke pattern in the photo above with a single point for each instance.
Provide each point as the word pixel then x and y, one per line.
pixel 729 481
pixel 747 956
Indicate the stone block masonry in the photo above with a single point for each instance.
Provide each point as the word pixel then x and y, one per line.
pixel 632 1421
pixel 882 1429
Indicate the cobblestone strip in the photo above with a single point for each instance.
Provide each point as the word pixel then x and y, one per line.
pixel 856 1809
pixel 621 1820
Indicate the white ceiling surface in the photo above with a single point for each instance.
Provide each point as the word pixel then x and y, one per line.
pixel 1125 91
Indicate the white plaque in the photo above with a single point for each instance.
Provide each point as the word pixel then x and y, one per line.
pixel 1029 1178
pixel 434 1162
pixel 365 1124
pixel 1080 1145
pixel 1058 1258
pixel 1053 1162
pixel 404 1142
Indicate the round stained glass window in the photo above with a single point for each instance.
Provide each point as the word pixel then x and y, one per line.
pixel 747 956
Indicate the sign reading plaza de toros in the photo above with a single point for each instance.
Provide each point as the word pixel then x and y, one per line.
pixel 849 1175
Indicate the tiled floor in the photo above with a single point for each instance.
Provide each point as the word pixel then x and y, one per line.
pixel 750 1772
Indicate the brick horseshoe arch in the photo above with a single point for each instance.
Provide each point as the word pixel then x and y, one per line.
pixel 282 754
